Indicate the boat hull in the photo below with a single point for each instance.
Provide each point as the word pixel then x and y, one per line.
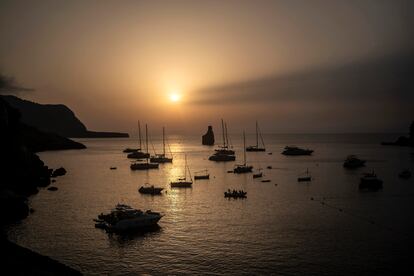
pixel 243 169
pixel 181 184
pixel 144 166
pixel 222 158
pixel 138 155
pixel 150 190
pixel 197 177
pixel 253 148
pixel 161 160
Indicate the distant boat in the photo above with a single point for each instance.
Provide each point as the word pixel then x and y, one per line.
pixel 256 147
pixel 405 174
pixel 305 178
pixel 295 151
pixel 137 153
pixel 151 190
pixel 223 153
pixel 183 182
pixel 258 175
pixel 370 181
pixel 144 165
pixel 352 162
pixel 235 194
pixel 161 158
pixel 202 175
pixel 243 168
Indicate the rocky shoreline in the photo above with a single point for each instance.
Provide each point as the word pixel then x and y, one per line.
pixel 21 174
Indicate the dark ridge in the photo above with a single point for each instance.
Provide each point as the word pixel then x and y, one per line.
pixel 55 118
pixel 18 260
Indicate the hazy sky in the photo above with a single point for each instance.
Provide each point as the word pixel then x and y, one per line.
pixel 296 66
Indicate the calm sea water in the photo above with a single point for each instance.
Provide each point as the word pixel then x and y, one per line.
pixel 278 229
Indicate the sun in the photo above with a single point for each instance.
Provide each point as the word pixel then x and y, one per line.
pixel 175 97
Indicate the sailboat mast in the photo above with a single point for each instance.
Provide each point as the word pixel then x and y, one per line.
pixel 146 138
pixel 163 140
pixel 222 128
pixel 257 135
pixel 185 166
pixel 139 134
pixel 227 136
pixel 244 147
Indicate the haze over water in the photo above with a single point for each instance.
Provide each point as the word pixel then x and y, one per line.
pixel 278 229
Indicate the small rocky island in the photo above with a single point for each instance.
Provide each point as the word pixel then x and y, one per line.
pixel 403 141
pixel 208 138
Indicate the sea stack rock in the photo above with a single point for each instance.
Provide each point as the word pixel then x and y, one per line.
pixel 208 138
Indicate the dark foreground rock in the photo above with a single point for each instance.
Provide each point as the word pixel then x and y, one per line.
pixel 17 260
pixel 208 138
pixel 59 172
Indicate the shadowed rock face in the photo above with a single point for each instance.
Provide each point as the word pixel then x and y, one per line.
pixel 208 138
pixel 55 118
pixel 403 141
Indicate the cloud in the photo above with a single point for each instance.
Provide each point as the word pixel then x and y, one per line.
pixel 381 80
pixel 8 86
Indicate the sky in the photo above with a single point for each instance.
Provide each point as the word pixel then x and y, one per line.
pixel 295 66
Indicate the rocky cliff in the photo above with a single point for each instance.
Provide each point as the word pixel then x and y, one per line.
pixel 55 118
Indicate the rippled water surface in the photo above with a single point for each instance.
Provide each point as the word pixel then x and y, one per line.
pixel 278 229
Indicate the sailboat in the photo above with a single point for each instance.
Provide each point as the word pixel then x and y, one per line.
pixel 223 153
pixel 256 147
pixel 306 177
pixel 161 158
pixel 145 165
pixel 137 153
pixel 183 182
pixel 202 175
pixel 243 168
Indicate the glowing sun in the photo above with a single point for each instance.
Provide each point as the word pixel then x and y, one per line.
pixel 174 97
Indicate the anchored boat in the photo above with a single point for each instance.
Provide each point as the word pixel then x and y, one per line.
pixel 183 182
pixel 162 158
pixel 243 168
pixel 124 218
pixel 256 147
pixel 144 165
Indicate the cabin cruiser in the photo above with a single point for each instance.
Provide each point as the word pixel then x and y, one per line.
pixel 257 147
pixel 150 190
pixel 124 218
pixel 370 181
pixel 352 162
pixel 295 151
